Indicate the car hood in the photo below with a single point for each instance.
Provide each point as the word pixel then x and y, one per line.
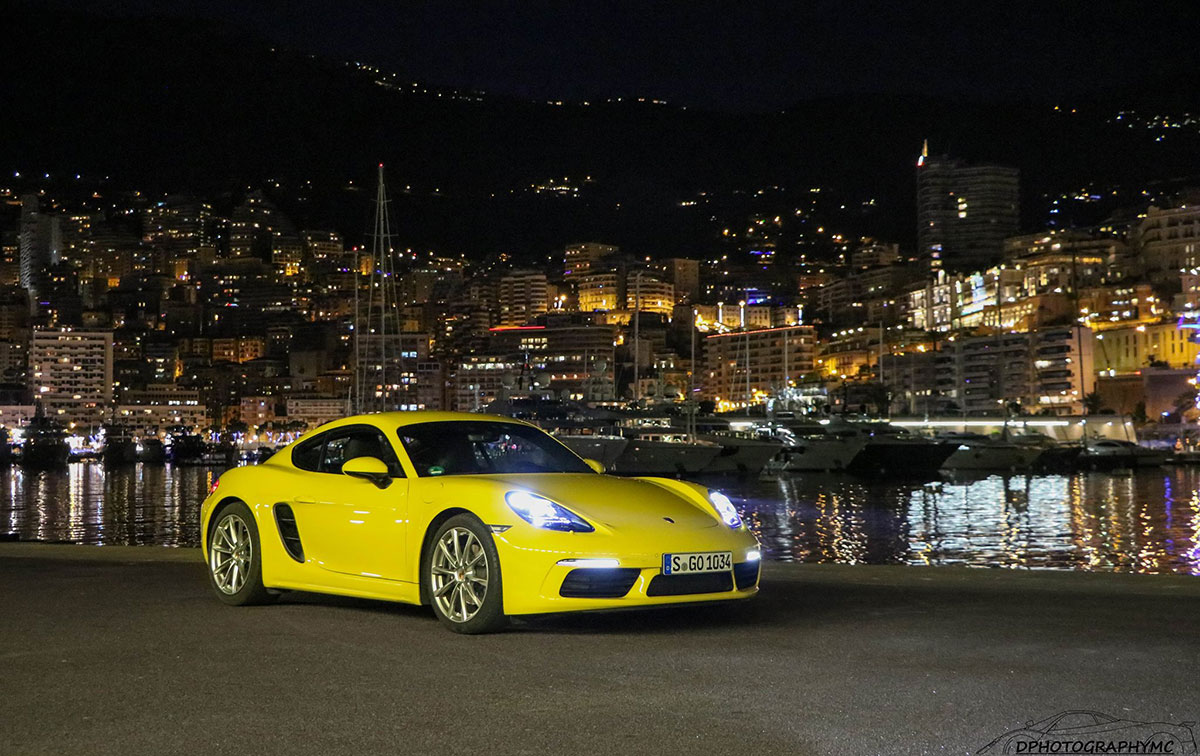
pixel 617 502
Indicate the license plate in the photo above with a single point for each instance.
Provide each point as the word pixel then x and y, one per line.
pixel 686 564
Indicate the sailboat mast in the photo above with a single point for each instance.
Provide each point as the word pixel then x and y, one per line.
pixel 637 321
pixel 373 366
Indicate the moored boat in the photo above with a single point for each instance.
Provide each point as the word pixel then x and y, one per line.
pixel 890 453
pixel 741 453
pixel 45 444
pixel 119 448
pixel 664 453
pixel 603 447
pixel 979 452
pixel 1112 454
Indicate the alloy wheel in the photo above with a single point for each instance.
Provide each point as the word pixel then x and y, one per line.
pixel 230 554
pixel 459 574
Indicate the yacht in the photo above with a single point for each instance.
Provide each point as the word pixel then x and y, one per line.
pixel 186 449
pixel 810 448
pixel 151 451
pixel 1053 456
pixel 978 452
pixel 892 453
pixel 663 451
pixel 742 453
pixel 45 446
pixel 594 444
pixel 119 446
pixel 1111 454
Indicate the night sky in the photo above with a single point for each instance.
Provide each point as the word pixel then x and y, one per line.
pixel 735 55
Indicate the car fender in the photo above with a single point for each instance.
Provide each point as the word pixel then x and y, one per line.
pixel 432 500
pixel 254 487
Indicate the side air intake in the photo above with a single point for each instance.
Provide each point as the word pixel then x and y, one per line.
pixel 285 520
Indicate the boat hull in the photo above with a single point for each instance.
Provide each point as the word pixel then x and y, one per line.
pixel 642 457
pixel 901 458
pixel 45 455
pixel 604 449
pixel 1120 460
pixel 819 455
pixel 992 457
pixel 740 456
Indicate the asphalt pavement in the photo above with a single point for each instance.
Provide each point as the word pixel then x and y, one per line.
pixel 124 651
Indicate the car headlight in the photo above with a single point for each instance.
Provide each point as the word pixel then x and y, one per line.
pixel 543 513
pixel 725 509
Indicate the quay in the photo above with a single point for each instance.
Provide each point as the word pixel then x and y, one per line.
pixel 123 650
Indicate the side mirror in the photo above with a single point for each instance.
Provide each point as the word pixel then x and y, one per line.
pixel 597 466
pixel 368 468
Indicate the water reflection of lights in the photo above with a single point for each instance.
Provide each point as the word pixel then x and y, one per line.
pixel 1147 522
pixel 137 505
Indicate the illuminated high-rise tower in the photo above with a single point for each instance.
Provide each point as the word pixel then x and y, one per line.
pixel 38 238
pixel 964 212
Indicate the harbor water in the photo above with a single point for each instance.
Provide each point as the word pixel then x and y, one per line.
pixel 1147 521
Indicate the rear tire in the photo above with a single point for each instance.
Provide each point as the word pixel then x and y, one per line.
pixel 235 558
pixel 462 577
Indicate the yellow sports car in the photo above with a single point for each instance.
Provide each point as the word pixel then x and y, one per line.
pixel 482 517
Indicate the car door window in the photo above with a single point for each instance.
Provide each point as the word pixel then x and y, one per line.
pixel 307 454
pixel 365 442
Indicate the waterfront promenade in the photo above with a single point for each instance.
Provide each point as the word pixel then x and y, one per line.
pixel 123 650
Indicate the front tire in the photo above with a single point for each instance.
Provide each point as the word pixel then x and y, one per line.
pixel 235 558
pixel 462 575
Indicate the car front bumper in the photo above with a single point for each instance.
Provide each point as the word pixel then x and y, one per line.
pixel 539 578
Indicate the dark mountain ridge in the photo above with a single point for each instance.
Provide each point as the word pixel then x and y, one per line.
pixel 167 105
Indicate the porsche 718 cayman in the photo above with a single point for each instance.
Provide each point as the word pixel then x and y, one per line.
pixel 481 517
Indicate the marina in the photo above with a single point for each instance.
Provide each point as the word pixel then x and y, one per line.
pixel 1143 521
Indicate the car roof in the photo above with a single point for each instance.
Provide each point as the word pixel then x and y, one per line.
pixel 392 420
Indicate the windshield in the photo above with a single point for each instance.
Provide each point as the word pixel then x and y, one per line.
pixel 477 447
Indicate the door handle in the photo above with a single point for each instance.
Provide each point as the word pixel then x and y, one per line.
pixel 306 501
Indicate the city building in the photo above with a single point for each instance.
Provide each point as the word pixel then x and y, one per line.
pixel 523 296
pixel 1168 241
pixel 159 407
pixel 39 239
pixel 324 245
pixel 684 276
pixel 316 410
pixel 584 257
pixel 646 293
pixel 1154 345
pixel 71 373
pixel 179 226
pixel 1047 370
pixel 742 368
pixel 964 212
pixel 600 292
pixel 568 358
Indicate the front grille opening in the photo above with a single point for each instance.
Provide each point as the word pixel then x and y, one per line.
pixel 612 582
pixel 746 574
pixel 285 520
pixel 683 585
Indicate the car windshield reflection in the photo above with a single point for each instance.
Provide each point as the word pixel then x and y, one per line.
pixel 468 447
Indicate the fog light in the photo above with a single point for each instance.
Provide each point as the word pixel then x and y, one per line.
pixel 753 555
pixel 598 563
